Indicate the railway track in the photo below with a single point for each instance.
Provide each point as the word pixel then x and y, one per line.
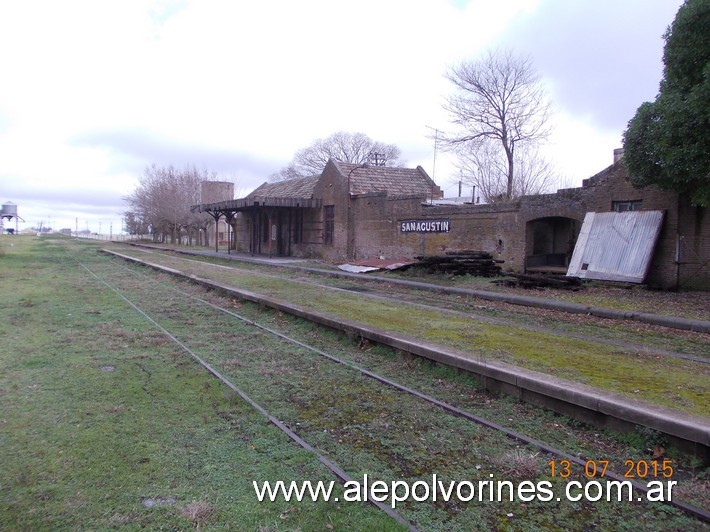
pixel 465 309
pixel 339 404
pixel 691 433
pixel 637 338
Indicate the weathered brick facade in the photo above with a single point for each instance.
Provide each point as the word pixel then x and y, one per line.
pixel 356 213
pixel 508 230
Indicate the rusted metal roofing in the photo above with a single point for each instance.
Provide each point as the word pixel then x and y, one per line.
pixel 616 246
pixel 394 181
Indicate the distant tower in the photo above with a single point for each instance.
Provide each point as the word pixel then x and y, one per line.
pixel 216 191
pixel 9 211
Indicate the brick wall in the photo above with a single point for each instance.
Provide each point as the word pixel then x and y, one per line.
pixel 332 188
pixel 368 225
pixel 505 229
pixel 693 246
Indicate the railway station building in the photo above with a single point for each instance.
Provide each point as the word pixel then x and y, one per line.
pixel 353 213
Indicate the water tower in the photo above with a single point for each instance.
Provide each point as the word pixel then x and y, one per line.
pixel 9 211
pixel 216 191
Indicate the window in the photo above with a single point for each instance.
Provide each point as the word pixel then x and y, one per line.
pixel 624 206
pixel 329 226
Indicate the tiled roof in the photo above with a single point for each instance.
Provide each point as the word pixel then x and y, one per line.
pixel 300 187
pixel 396 182
pixel 393 181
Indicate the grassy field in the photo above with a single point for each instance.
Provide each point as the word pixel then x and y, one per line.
pixel 669 382
pixel 619 296
pixel 105 425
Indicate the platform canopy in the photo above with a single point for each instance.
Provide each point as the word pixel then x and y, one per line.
pixel 290 193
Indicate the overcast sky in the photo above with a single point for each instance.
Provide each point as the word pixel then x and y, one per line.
pixel 92 92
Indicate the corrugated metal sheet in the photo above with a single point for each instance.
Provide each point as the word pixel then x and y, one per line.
pixel 351 268
pixel 616 246
pixel 373 264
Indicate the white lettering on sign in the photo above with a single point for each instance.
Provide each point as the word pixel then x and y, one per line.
pixel 425 226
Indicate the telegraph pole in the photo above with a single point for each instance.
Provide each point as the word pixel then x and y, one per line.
pixel 436 147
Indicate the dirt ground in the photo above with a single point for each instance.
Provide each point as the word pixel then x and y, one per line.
pixel 639 298
pixel 693 305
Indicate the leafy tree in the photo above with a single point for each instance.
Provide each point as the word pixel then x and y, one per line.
pixel 498 104
pixel 667 142
pixel 345 147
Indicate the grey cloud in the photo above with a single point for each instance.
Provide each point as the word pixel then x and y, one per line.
pixel 65 207
pixel 86 198
pixel 134 149
pixel 130 151
pixel 603 57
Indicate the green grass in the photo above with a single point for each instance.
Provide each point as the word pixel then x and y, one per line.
pixel 83 447
pixel 668 382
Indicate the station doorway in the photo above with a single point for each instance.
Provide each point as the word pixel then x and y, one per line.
pixel 549 243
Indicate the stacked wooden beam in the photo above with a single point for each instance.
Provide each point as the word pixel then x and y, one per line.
pixel 480 263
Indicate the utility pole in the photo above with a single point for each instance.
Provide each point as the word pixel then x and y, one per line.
pixel 377 159
pixel 436 147
pixel 433 166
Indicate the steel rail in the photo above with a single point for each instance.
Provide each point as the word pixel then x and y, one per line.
pixel 532 301
pixel 396 289
pixel 511 323
pixel 332 466
pixel 447 407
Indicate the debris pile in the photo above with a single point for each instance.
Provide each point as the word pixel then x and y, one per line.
pixel 479 263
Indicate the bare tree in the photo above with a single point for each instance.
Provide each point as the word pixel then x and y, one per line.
pixel 485 167
pixel 163 200
pixel 345 147
pixel 533 173
pixel 499 98
pixel 481 168
pixel 134 224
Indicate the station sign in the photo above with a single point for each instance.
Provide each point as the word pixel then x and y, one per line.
pixel 425 226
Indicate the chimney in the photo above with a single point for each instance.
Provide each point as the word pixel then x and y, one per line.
pixel 618 154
